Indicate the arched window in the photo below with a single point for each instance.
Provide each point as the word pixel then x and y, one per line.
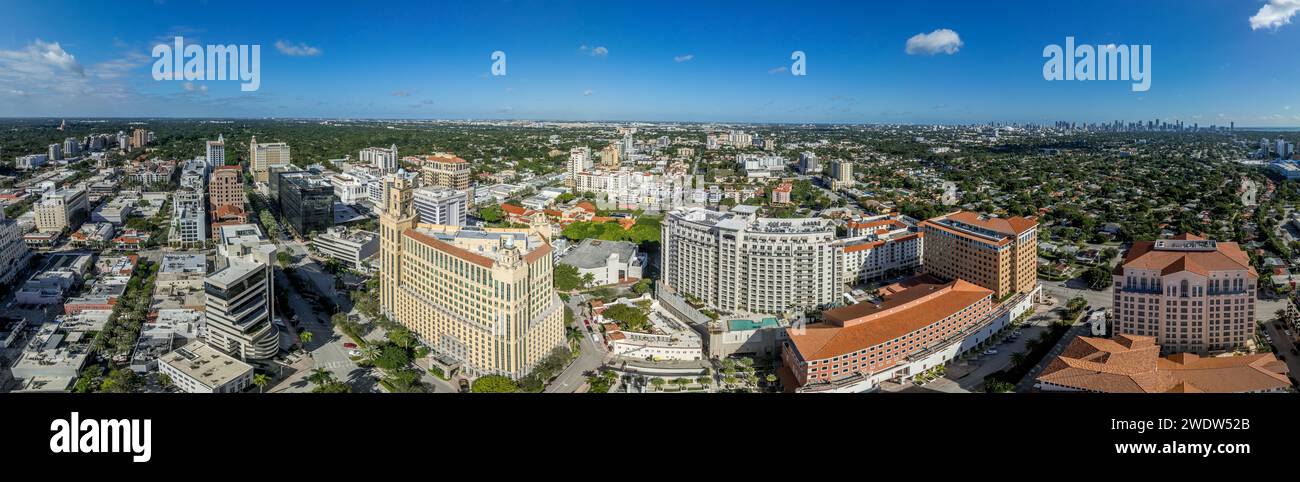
pixel 1182 289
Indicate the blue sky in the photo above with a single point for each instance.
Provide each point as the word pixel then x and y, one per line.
pixel 690 60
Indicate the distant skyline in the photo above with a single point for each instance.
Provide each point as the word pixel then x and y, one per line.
pixel 948 62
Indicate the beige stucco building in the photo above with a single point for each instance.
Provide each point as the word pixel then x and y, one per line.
pixel 482 297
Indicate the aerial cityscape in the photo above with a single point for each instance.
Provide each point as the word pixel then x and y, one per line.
pixel 612 210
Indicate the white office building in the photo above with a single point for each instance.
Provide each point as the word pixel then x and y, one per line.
pixel 200 368
pixel 441 206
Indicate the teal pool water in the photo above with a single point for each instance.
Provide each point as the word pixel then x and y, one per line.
pixel 743 325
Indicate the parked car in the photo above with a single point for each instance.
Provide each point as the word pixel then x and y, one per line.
pixel 349 345
pixel 354 352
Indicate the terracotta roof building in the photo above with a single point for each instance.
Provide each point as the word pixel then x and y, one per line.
pixel 1132 364
pixel 1189 293
pixel 1000 254
pixel 859 340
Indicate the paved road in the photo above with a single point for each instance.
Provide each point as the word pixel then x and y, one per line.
pixel 1265 312
pixel 591 356
pixel 326 347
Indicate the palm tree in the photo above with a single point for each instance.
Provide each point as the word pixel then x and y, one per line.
pixel 305 337
pixel 1018 358
pixel 261 379
pixel 321 376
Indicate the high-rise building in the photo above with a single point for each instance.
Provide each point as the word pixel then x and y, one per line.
pixel 55 152
pixel 71 147
pixel 1190 293
pixel 263 157
pixel 306 203
pixel 609 156
pixel 483 298
pixel 736 261
pixel 808 163
pixel 841 173
pixel 445 171
pixel 239 296
pixel 382 159
pixel 440 206
pixel 216 152
pixel 139 137
pixel 579 161
pixel 226 195
pixel 189 225
pixel 62 209
pixel 1000 254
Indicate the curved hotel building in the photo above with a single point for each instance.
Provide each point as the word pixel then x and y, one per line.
pixel 738 262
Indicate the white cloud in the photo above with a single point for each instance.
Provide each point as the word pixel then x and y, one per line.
pixel 401 93
pixel 41 56
pixel 200 88
pixel 1274 14
pixel 588 92
pixel 943 41
pixel 598 51
pixel 683 58
pixel 776 70
pixel 298 50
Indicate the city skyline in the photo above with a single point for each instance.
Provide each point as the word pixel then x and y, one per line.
pixel 923 63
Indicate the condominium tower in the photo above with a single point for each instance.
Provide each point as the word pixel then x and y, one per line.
pixel 262 157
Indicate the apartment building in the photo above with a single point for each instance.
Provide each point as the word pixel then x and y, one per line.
pixel 62 209
pixel 579 161
pixel 14 254
pixel 481 297
pixel 736 261
pixel 263 157
pixel 445 171
pixel 1189 293
pixel 1000 254
pixel 856 347
pixel 226 196
pixel 382 159
pixel 880 246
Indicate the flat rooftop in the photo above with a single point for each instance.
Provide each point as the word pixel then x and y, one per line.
pixel 594 253
pixel 205 364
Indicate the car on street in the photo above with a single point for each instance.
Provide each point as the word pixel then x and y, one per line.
pixel 464 386
pixel 990 351
pixel 354 352
pixel 349 345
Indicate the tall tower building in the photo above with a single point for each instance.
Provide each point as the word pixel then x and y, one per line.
pixel 263 157
pixel 239 297
pixel 216 152
pixel 482 297
pixel 1000 254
